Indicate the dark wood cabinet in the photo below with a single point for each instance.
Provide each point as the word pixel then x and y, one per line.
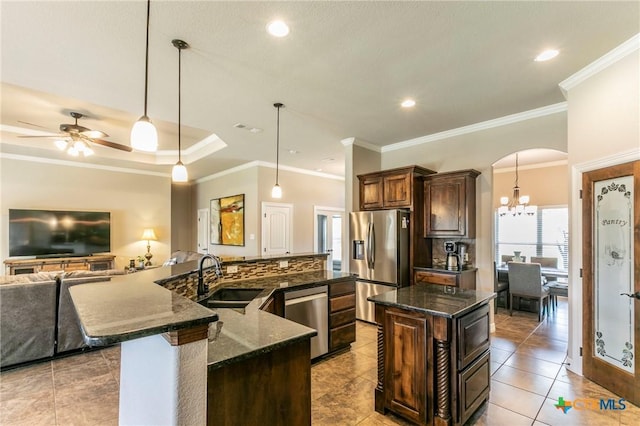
pixel 432 369
pixel 342 314
pixel 405 378
pixel 463 279
pixel 391 189
pixel 450 204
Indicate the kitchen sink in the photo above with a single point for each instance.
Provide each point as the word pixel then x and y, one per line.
pixel 231 298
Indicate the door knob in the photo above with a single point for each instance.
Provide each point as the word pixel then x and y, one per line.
pixel 636 295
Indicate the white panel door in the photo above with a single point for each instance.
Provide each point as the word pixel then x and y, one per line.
pixel 203 231
pixel 276 228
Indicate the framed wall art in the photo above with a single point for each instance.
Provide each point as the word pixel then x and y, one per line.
pixel 227 220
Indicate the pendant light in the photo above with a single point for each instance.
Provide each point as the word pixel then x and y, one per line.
pixel 144 136
pixel 518 204
pixel 276 192
pixel 179 172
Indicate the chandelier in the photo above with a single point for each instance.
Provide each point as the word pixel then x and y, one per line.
pixel 518 204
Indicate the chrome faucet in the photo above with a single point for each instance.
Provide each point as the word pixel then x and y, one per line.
pixel 202 287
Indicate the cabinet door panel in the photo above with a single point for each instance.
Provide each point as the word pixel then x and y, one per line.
pixel 445 208
pixel 473 335
pixel 342 336
pixel 371 193
pixel 397 190
pixel 405 365
pixel 474 384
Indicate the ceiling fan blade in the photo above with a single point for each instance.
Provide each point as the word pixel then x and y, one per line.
pixel 62 135
pixel 31 124
pixel 94 134
pixel 112 145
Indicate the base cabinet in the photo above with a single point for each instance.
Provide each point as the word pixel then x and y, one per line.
pixel 432 369
pixel 342 314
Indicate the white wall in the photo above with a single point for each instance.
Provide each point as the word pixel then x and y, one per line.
pixel 302 190
pixel 604 129
pixel 136 201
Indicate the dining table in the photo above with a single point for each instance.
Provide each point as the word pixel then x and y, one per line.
pixel 559 286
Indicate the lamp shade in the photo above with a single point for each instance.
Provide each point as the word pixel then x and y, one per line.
pixel 148 234
pixel 276 191
pixel 144 136
pixel 179 173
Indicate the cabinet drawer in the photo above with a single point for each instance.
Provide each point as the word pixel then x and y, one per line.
pixel 342 336
pixel 51 267
pixel 345 287
pixel 473 336
pixel 435 278
pixel 341 318
pixel 474 384
pixel 342 302
pixel 75 267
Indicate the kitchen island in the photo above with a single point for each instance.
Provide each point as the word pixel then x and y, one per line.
pixel 433 353
pixel 252 365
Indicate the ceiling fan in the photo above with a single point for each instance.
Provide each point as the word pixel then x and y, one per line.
pixel 76 139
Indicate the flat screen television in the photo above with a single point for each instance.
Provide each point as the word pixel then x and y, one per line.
pixel 54 233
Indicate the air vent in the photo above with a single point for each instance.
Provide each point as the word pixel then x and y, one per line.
pixel 240 126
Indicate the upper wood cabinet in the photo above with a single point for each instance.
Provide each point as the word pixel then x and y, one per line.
pixel 450 204
pixel 390 189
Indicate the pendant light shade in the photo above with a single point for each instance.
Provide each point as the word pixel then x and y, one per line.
pixel 179 172
pixel 517 204
pixel 144 136
pixel 276 192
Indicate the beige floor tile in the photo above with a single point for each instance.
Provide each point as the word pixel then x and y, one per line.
pixel 541 353
pixel 533 365
pixel 494 415
pixel 524 380
pixel 29 408
pixel 515 399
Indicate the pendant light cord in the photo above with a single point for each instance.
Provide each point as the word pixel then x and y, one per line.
pixel 277 143
pixel 179 104
pixel 146 60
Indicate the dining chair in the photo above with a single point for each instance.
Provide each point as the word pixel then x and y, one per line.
pixel 506 258
pixel 500 287
pixel 525 281
pixel 548 262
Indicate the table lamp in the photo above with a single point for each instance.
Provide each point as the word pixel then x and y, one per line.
pixel 148 235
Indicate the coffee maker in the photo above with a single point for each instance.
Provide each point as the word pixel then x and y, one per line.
pixel 453 260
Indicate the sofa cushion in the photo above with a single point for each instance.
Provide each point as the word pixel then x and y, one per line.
pixel 27 321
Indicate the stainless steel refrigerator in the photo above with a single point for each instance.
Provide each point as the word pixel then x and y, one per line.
pixel 379 255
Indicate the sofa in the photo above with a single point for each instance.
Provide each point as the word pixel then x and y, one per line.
pixel 37 317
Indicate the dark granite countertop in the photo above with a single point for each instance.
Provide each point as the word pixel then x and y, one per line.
pixel 133 306
pixel 249 332
pixel 125 309
pixel 439 300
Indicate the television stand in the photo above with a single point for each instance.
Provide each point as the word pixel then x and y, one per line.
pixel 100 262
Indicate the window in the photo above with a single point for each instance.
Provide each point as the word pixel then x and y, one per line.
pixel 545 234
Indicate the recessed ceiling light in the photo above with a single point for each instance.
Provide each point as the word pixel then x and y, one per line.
pixel 278 28
pixel 546 55
pixel 255 130
pixel 293 152
pixel 408 103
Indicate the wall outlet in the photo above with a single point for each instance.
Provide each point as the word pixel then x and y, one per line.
pixel 232 269
pixel 466 257
pixel 284 263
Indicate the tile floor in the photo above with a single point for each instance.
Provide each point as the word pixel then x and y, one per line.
pixel 527 365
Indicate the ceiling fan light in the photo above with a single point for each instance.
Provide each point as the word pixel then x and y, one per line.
pixel 179 173
pixel 276 191
pixel 144 136
pixel 73 152
pixel 87 151
pixel 61 144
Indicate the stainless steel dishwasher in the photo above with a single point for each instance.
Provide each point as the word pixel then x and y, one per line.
pixel 310 307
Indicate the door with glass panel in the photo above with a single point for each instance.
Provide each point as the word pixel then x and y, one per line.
pixel 611 278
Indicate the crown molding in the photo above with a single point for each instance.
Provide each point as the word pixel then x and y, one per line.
pixel 67 163
pixel 358 142
pixel 601 63
pixel 484 125
pixel 611 160
pixel 258 163
pixel 532 166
